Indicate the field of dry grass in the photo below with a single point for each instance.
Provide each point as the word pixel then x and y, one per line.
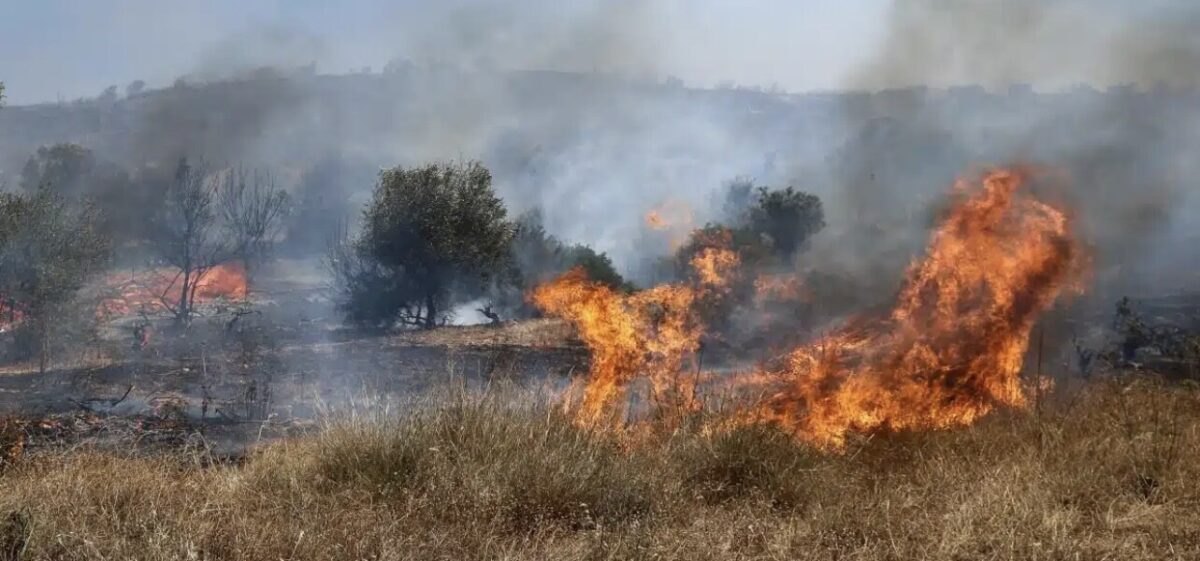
pixel 1108 471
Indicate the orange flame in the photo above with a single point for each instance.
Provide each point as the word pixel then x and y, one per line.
pixel 145 291
pixel 950 352
pixel 674 218
pixel 223 281
pixel 780 287
pixel 656 221
pixel 647 335
pixel 952 349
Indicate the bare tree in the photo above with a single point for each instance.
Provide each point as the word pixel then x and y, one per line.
pixel 187 235
pixel 252 210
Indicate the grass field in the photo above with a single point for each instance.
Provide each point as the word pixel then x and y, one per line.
pixel 1105 471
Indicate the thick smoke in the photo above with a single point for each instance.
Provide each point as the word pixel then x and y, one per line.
pixel 568 104
pixel 1097 92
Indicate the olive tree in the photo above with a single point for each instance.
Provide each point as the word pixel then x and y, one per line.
pixel 49 249
pixel 426 230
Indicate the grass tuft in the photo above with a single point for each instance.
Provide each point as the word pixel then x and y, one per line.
pixel 1108 473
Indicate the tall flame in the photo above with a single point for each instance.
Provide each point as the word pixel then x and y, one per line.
pixel 648 334
pixel 952 349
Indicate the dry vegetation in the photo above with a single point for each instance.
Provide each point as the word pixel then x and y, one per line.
pixel 1106 471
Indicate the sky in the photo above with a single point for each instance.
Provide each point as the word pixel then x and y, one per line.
pixel 66 49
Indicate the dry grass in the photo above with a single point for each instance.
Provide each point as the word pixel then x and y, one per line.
pixel 542 332
pixel 1110 473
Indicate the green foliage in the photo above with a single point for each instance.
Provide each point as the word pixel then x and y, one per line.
pixel 598 267
pixel 749 246
pixel 787 219
pixel 48 251
pixel 540 257
pixel 425 230
pixel 73 171
pixel 62 167
pixel 764 225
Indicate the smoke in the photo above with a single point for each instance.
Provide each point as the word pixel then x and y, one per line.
pixel 1050 43
pixel 1096 91
pixel 570 106
pixel 588 36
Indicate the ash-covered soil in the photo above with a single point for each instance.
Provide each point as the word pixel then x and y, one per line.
pixel 245 372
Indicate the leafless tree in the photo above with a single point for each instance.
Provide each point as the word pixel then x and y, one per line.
pixel 252 209
pixel 188 236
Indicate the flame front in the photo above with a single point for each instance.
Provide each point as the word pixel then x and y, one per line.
pixel 953 347
pixel 950 351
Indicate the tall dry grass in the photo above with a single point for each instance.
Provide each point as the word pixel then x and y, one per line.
pixel 1111 471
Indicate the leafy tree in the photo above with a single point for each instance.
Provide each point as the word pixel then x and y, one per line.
pixel 598 267
pixel 187 234
pixel 73 171
pixel 783 220
pixel 65 168
pixel 48 251
pixel 749 246
pixel 787 219
pixel 426 229
pixel 540 257
pixel 252 209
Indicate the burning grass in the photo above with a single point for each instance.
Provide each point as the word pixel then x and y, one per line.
pixel 950 352
pixel 1107 472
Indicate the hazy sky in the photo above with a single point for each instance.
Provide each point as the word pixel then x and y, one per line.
pixel 73 48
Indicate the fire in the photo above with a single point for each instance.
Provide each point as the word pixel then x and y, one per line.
pixel 780 287
pixel 146 291
pixel 647 335
pixel 674 219
pixel 223 281
pixel 655 221
pixel 952 349
pixel 715 267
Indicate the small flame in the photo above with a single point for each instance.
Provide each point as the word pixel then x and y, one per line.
pixel 780 287
pixel 674 219
pixel 655 221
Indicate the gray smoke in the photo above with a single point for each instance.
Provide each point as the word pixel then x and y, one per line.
pixel 568 103
pixel 1099 91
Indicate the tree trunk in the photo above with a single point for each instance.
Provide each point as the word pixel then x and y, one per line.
pixel 44 354
pixel 182 312
pixel 247 273
pixel 430 311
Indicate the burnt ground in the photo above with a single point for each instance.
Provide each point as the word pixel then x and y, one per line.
pixel 225 396
pixel 242 372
